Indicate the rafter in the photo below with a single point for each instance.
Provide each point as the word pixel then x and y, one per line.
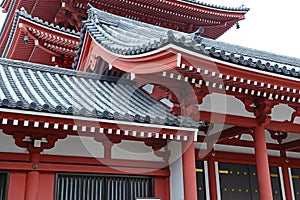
pixel 292 145
pixel 233 131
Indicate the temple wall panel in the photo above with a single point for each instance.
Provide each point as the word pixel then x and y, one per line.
pixel 224 104
pixel 132 150
pixel 282 112
pixel 7 144
pixel 16 187
pixel 162 187
pixel 293 154
pixel 46 186
pixel 77 146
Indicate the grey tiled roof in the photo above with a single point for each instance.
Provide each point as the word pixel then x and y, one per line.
pixel 127 37
pixel 23 13
pixel 42 88
pixel 200 3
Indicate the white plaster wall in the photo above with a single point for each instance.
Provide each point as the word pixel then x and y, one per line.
pixel 176 178
pixel 293 154
pixel 233 149
pixel 131 150
pixel 282 113
pixel 77 146
pixel 7 144
pixel 224 104
pixel 292 137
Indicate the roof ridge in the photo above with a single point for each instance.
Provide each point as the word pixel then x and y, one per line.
pixel 254 53
pixel 61 71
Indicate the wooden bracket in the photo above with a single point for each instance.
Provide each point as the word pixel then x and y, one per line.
pixel 261 108
pixel 35 142
pixel 157 146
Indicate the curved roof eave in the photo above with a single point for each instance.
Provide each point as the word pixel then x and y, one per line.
pixel 240 9
pixel 129 38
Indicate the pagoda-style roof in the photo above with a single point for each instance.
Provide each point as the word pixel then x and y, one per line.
pixel 185 16
pixel 128 39
pixel 178 58
pixel 43 9
pixel 45 42
pixel 46 89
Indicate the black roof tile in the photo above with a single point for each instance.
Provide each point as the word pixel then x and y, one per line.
pixel 44 88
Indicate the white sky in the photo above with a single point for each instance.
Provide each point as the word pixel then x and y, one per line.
pixel 270 25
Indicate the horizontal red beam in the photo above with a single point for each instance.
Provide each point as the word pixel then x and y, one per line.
pixel 228 119
pixel 101 161
pixel 240 158
pixel 291 145
pixel 76 160
pixel 82 169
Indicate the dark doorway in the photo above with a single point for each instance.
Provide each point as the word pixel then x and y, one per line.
pixel 239 181
pixel 3 185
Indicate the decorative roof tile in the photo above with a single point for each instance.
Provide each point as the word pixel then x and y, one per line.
pixel 44 88
pixel 127 38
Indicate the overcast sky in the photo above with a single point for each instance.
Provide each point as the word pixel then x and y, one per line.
pixel 270 25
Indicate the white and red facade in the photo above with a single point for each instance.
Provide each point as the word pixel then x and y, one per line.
pixel 246 146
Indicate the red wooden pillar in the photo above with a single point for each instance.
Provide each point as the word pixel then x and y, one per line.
pixel 32 179
pixel 286 177
pixel 107 148
pixel 189 171
pixel 212 179
pixel 262 164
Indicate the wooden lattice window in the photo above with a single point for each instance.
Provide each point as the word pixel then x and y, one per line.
pixel 100 187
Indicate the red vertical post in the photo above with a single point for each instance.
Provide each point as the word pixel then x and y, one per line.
pixel 107 148
pixel 212 179
pixel 262 164
pixel 32 179
pixel 189 171
pixel 286 177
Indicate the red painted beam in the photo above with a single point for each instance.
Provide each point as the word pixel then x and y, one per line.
pixel 283 126
pixel 55 159
pixel 231 132
pixel 82 169
pixel 245 143
pixel 289 146
pixel 247 122
pixel 228 119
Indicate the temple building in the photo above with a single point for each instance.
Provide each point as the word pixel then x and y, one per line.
pixel 132 100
